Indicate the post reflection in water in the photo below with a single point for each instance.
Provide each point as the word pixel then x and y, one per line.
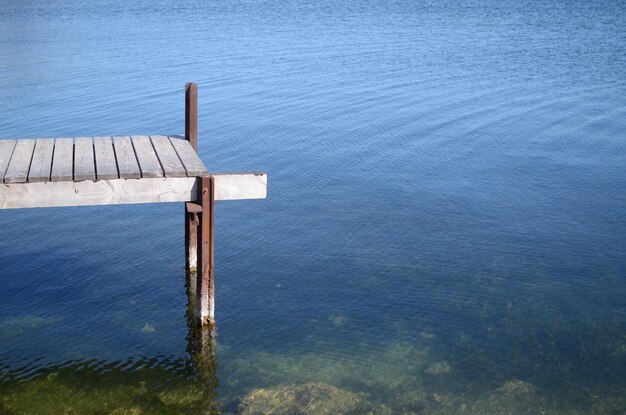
pixel 201 347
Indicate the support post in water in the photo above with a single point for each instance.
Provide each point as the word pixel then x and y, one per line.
pixel 206 254
pixel 191 236
pixel 191 218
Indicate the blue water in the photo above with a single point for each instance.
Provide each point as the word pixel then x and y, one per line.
pixel 446 212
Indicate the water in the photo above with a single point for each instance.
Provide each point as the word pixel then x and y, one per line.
pixel 444 231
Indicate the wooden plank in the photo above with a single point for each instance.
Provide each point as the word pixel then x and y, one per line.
pixel 84 160
pixel 192 163
pixel 121 191
pixel 172 167
pixel 148 161
pixel 100 192
pixel 191 115
pixel 206 257
pixel 41 166
pixel 17 172
pixel 62 160
pixel 6 150
pixel 126 159
pixel 106 167
pixel 237 186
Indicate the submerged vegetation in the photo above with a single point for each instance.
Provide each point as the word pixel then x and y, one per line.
pixel 404 378
pixel 101 389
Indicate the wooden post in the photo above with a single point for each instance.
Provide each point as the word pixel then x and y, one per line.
pixel 205 282
pixel 191 236
pixel 191 218
pixel 191 114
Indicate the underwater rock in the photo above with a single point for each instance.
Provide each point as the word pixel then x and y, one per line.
pixel 517 386
pixel 393 374
pixel 148 328
pixel 439 368
pixel 17 326
pixel 416 401
pixel 512 398
pixel 337 320
pixel 614 403
pixel 443 399
pixel 308 399
pixel 427 335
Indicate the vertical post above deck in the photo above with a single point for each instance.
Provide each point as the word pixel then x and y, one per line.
pixel 191 114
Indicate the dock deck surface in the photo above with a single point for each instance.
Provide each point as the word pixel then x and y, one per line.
pixel 97 158
pixel 47 172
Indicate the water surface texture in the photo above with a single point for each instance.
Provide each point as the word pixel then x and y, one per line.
pixel 445 226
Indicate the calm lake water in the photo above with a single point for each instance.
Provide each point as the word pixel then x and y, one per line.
pixel 444 231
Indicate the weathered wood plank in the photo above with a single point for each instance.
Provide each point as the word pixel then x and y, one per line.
pixel 17 171
pixel 84 161
pixel 121 191
pixel 62 160
pixel 6 150
pixel 237 186
pixel 41 165
pixel 172 167
pixel 192 163
pixel 106 167
pixel 101 192
pixel 126 159
pixel 148 161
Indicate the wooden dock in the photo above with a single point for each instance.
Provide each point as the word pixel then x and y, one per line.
pixel 49 172
pixel 110 170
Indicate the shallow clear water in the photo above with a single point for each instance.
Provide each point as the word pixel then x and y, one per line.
pixel 444 231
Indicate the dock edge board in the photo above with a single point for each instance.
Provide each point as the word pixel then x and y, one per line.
pixel 228 186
